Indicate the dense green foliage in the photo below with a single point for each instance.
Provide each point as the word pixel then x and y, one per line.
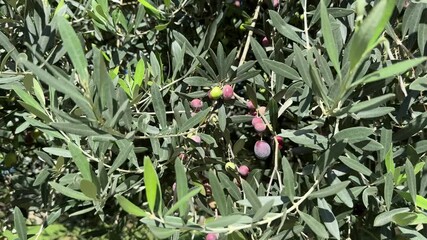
pixel 193 119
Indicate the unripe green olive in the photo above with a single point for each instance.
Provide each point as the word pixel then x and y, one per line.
pixel 215 93
pixel 229 166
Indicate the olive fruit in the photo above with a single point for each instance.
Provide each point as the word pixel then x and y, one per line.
pixel 229 166
pixel 211 236
pixel 256 120
pixel 227 92
pixel 196 104
pixel 215 93
pixel 260 127
pixel 243 170
pixel 262 149
pixel 265 42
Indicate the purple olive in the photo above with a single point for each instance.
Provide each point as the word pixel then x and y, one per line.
pixel 227 92
pixel 243 170
pixel 265 42
pixel 256 120
pixel 262 149
pixel 211 236
pixel 260 127
pixel 196 104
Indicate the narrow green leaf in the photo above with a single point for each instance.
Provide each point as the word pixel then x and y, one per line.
pixel 412 232
pixel 152 187
pixel 390 71
pixel 222 118
pixel 414 126
pixel 284 28
pixel 31 104
pixel 420 84
pixel 224 221
pixel 69 192
pixel 422 32
pixel 65 87
pixel 389 163
pixel 196 119
pixel 104 84
pixel 74 49
pixel 35 111
pixel 88 188
pixel 38 91
pixel 139 74
pixel 151 8
pixel 314 225
pixel 302 65
pixel 124 107
pixel 277 201
pixel 420 200
pixel 328 218
pixel 330 190
pixel 122 157
pixel 260 55
pixel 282 69
pixel 159 105
pixel 386 135
pixel 368 145
pixel 329 156
pixel 328 37
pixel 198 82
pixel 355 165
pixel 353 134
pixel 8 46
pixel 80 160
pixel 386 217
pixel 375 113
pixel 41 177
pixel 318 85
pixel 208 68
pixel 27 98
pixel 218 194
pixel 58 152
pixel 20 225
pixel 260 213
pixel 371 103
pixel 364 39
pixel 388 189
pixel 83 211
pixel 288 178
pixel 161 232
pixel 251 93
pixel 245 76
pixel 184 200
pixel 129 207
pixel 181 184
pixel 251 195
pixel 231 187
pixel 411 181
pixel 408 218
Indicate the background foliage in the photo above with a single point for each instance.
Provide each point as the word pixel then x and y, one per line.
pixel 97 130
